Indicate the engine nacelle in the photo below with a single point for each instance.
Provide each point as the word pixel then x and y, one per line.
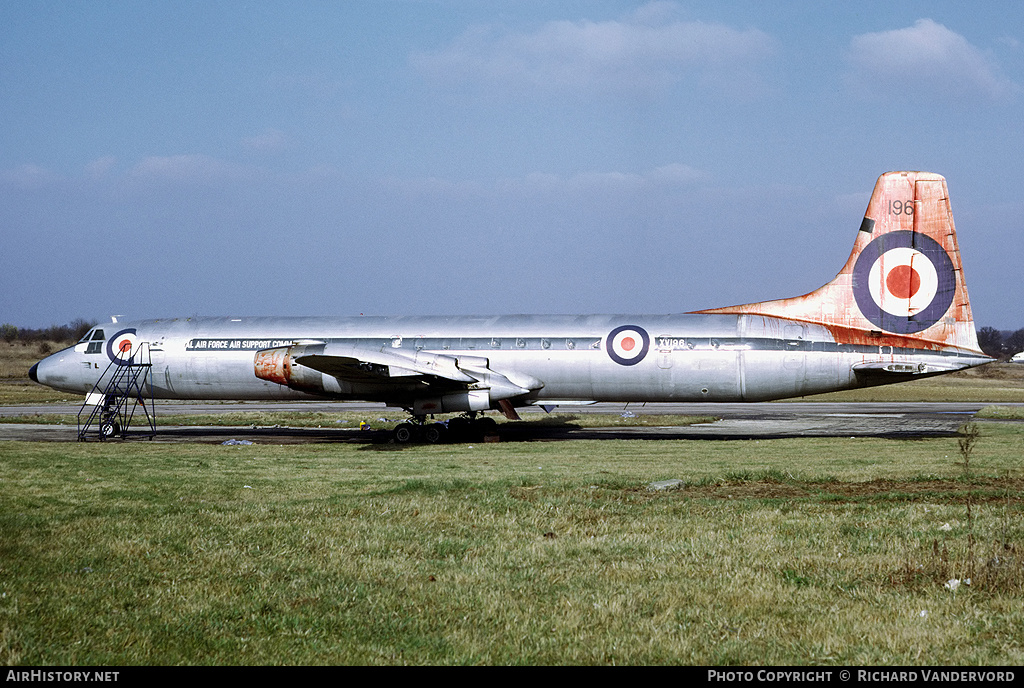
pixel 278 365
pixel 471 400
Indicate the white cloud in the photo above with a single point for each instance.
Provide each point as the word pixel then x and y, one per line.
pixel 1009 42
pixel 676 174
pixel 100 166
pixel 924 59
pixel 642 52
pixel 270 141
pixel 544 184
pixel 28 177
pixel 196 168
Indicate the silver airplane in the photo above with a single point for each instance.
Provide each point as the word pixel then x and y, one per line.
pixel 898 310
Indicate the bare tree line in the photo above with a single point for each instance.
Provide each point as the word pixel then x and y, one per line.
pixel 71 332
pixel 1001 343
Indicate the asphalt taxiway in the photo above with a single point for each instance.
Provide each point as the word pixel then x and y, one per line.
pixel 735 421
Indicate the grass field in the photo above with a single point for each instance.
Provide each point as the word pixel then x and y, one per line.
pixel 997 382
pixel 16 358
pixel 789 551
pixel 797 551
pixel 15 387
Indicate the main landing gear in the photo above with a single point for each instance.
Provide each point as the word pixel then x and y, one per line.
pixel 468 428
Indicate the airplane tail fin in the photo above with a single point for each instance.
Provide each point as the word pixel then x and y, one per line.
pixel 903 284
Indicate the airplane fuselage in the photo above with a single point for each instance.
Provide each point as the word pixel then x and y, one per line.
pixel 685 357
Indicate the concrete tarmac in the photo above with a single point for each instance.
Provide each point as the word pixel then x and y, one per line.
pixel 737 421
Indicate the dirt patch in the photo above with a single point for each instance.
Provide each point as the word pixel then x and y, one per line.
pixel 952 491
pixel 993 371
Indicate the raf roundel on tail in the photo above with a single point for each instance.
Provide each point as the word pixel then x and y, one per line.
pixel 904 282
pixel 898 310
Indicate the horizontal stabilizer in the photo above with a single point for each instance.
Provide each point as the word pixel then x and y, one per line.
pixel 905 369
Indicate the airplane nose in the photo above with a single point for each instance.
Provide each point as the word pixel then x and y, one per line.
pixel 32 373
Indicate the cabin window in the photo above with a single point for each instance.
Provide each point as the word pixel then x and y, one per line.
pixel 94 348
pixel 495 343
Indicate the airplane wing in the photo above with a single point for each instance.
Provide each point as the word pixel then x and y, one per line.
pixel 349 362
pixel 367 364
pixel 351 369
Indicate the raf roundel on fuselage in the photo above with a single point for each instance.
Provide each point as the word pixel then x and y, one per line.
pixel 628 345
pixel 122 346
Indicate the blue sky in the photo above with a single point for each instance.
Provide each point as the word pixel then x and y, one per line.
pixel 518 156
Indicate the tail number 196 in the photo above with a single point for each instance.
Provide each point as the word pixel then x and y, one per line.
pixel 901 207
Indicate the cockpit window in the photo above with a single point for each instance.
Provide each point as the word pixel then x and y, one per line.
pixel 97 336
pixel 86 337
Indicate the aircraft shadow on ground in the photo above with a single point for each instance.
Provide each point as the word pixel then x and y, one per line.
pixel 381 440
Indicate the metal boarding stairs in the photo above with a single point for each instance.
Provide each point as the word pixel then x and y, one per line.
pixel 115 400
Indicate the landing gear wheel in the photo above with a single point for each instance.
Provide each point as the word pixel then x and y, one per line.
pixel 459 429
pixel 404 433
pixel 109 428
pixel 434 433
pixel 486 426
